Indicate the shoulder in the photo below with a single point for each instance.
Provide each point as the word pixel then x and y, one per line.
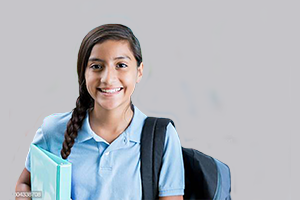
pixel 172 140
pixel 50 134
pixel 171 132
pixel 55 123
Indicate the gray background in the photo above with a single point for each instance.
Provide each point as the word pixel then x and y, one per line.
pixel 226 72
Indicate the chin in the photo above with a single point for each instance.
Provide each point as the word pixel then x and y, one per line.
pixel 110 105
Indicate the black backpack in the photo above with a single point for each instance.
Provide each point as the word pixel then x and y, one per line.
pixel 206 178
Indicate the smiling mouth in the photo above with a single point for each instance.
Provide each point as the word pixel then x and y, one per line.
pixel 110 91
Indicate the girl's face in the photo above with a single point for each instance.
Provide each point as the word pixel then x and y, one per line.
pixel 112 65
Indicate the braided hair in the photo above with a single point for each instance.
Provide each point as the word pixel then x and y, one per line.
pixel 85 101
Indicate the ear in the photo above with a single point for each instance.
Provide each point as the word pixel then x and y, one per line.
pixel 140 72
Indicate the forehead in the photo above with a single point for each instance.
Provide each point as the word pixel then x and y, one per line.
pixel 111 48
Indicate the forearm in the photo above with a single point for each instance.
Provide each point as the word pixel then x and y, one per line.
pixel 22 187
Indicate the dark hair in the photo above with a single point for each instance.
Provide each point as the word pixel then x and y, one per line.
pixel 85 101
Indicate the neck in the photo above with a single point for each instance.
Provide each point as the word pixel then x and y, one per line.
pixel 110 122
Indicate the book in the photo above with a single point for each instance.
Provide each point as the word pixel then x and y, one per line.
pixel 50 175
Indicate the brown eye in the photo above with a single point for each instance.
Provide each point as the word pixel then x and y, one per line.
pixel 122 65
pixel 93 66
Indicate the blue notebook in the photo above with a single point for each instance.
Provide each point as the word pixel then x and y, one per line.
pixel 50 175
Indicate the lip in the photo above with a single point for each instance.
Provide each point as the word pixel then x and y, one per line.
pixel 108 94
pixel 110 88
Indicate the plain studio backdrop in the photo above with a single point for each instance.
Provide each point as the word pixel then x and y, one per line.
pixel 226 72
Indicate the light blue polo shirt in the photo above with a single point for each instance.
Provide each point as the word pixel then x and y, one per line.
pixel 103 171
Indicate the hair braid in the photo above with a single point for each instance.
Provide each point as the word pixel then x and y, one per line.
pixel 83 103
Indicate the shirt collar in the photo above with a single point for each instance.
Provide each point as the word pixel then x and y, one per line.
pixel 133 131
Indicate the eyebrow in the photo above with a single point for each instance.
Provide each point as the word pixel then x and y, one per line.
pixel 116 58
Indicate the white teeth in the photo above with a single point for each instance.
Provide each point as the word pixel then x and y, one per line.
pixel 111 91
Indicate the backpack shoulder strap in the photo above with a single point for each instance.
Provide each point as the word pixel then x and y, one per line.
pixel 152 146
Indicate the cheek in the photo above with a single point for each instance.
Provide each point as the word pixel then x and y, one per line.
pixel 88 87
pixel 130 79
pixel 91 79
pixel 90 84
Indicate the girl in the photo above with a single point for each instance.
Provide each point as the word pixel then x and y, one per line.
pixel 103 131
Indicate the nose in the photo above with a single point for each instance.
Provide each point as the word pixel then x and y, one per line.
pixel 109 75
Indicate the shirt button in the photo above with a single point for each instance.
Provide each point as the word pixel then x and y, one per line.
pixel 107 153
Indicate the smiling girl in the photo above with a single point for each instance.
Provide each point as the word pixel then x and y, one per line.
pixel 101 135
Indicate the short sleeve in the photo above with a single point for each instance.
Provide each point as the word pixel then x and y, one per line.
pixel 39 140
pixel 171 180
